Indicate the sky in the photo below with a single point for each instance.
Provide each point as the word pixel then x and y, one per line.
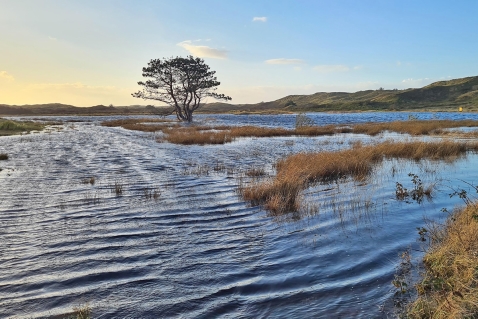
pixel 90 52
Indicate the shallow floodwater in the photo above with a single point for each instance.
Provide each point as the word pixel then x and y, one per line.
pixel 162 232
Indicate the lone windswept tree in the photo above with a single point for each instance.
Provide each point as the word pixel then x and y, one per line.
pixel 181 83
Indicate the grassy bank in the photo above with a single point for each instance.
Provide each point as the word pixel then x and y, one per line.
pixel 449 288
pixel 297 172
pixel 10 127
pixel 201 135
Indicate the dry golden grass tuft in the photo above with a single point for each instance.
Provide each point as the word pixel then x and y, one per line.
pixel 297 172
pixel 192 135
pixel 450 285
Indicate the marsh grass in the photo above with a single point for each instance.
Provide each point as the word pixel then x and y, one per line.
pixel 10 127
pixel 3 156
pixel 121 122
pixel 89 180
pixel 91 198
pixel 79 312
pixel 412 127
pixel 189 136
pixel 152 193
pixel 202 135
pixel 196 169
pixel 255 172
pixel 117 188
pixel 219 167
pixel 297 172
pixel 449 288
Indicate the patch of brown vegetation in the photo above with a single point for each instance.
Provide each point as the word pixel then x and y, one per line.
pixel 121 122
pixel 139 124
pixel 176 133
pixel 255 172
pixel 449 288
pixel 414 127
pixel 297 172
pixel 193 135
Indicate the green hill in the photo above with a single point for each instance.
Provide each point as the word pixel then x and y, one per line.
pixel 63 109
pixel 438 96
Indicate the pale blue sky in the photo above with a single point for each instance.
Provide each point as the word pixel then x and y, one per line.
pixel 89 52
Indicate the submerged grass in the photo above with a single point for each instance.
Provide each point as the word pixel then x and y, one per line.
pixel 449 288
pixel 296 172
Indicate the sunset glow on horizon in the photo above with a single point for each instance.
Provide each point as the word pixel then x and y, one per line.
pixel 91 52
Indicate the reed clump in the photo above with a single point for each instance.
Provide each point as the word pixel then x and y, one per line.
pixel 449 288
pixel 189 136
pixel 255 172
pixel 298 171
pixel 202 135
pixel 79 312
pixel 117 188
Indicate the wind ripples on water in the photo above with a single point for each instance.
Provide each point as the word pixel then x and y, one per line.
pixel 177 240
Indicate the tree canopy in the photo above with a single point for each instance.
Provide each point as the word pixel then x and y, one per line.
pixel 181 83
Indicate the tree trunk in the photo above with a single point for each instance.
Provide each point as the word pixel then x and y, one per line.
pixel 189 116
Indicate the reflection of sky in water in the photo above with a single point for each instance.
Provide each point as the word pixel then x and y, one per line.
pixel 199 250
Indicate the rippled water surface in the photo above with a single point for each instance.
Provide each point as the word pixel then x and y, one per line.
pixel 162 232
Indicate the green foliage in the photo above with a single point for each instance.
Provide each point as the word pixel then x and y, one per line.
pixel 10 127
pixel 290 103
pixel 181 83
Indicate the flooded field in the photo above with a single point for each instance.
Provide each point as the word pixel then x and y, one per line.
pixel 139 229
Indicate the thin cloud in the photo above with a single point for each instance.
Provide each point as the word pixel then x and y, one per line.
pixel 259 19
pixel 284 61
pixel 203 51
pixel 4 75
pixel 331 68
pixel 52 38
